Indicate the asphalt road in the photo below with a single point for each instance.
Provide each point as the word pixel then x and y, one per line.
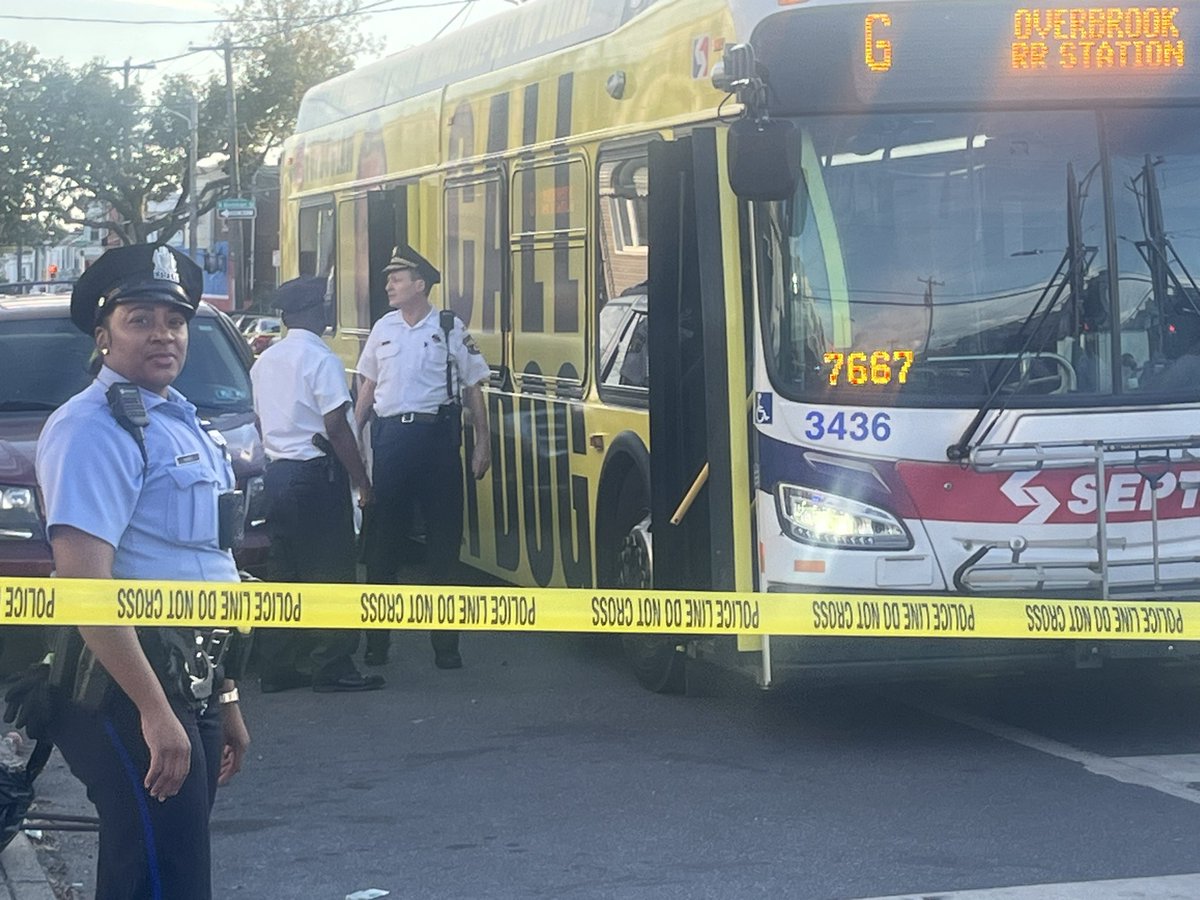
pixel 543 770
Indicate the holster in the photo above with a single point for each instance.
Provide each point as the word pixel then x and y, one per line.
pixel 450 419
pixel 189 664
pixel 32 702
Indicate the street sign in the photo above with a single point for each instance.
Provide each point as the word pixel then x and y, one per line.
pixel 236 208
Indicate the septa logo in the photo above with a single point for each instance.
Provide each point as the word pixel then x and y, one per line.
pixel 701 48
pixel 1128 495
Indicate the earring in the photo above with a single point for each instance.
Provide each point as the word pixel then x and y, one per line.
pixel 104 351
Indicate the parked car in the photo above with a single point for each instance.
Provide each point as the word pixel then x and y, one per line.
pixel 44 360
pixel 261 332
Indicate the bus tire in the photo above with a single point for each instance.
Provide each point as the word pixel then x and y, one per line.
pixel 659 662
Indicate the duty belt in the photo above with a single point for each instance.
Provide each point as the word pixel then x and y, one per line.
pixel 413 418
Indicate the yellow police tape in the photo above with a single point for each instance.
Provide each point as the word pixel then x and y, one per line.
pixel 67 601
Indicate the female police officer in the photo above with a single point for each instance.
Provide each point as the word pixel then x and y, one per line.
pixel 137 499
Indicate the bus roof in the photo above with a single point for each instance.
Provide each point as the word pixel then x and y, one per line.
pixel 524 33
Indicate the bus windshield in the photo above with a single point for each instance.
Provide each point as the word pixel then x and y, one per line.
pixel 944 259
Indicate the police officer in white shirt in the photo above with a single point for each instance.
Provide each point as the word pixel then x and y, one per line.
pixel 303 409
pixel 414 367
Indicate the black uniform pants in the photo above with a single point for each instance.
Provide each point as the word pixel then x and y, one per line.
pixel 310 519
pixel 416 465
pixel 148 850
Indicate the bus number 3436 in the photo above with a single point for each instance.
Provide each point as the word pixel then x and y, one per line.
pixel 857 426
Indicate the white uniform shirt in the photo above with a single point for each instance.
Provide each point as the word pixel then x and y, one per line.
pixel 296 382
pixel 408 363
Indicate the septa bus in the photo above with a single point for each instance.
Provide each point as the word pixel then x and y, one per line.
pixel 787 296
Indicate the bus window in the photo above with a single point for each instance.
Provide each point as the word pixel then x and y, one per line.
pixel 549 271
pixel 624 186
pixel 624 354
pixel 473 266
pixel 353 264
pixel 623 319
pixel 931 260
pixel 1156 173
pixel 317 251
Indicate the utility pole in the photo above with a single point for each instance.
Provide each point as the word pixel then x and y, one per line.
pixel 125 70
pixel 227 47
pixel 193 121
pixel 194 158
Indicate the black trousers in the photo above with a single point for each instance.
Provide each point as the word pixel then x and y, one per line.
pixel 310 520
pixel 418 465
pixel 148 850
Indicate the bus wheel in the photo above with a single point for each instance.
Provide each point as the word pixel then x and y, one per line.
pixel 658 662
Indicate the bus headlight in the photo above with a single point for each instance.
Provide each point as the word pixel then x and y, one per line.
pixel 18 514
pixel 827 520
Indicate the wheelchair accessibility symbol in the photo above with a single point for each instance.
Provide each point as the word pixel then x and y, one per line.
pixel 763 408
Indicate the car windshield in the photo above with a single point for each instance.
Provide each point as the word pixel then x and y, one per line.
pixel 44 361
pixel 934 259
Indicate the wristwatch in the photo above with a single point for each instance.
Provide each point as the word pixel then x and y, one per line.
pixel 230 696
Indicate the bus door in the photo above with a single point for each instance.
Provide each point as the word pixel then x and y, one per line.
pixel 691 471
pixel 387 212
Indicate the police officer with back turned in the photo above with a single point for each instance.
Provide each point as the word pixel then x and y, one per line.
pixel 136 487
pixel 414 366
pixel 303 409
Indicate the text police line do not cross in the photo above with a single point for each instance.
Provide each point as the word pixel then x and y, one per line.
pixel 65 601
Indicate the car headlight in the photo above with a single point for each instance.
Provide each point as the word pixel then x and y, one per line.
pixel 817 517
pixel 256 501
pixel 19 520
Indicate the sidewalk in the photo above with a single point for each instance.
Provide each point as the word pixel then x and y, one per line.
pixel 23 876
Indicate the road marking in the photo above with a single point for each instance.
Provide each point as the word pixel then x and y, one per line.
pixel 1165 887
pixel 1128 770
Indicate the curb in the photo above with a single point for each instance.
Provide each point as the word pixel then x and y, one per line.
pixel 24 877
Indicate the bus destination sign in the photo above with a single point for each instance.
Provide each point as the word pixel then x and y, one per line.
pixel 1079 38
pixel 1096 37
pixel 938 53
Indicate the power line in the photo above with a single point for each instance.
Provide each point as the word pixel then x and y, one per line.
pixel 369 9
pixel 466 4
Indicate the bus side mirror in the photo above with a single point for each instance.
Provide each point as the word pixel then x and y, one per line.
pixel 764 159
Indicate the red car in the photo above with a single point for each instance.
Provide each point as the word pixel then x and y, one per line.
pixel 261 332
pixel 44 360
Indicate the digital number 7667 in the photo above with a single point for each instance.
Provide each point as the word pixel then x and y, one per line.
pixel 875 368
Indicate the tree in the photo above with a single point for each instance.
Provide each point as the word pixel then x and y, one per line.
pixel 25 151
pixel 291 46
pixel 75 145
pixel 110 153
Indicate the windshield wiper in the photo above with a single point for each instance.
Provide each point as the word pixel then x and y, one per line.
pixel 1158 251
pixel 27 405
pixel 1075 261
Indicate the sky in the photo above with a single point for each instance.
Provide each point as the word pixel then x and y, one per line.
pixel 403 23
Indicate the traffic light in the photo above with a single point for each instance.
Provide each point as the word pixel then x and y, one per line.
pixel 52 271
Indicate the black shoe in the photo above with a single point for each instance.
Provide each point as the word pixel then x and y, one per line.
pixel 349 683
pixel 283 681
pixel 376 656
pixel 447 659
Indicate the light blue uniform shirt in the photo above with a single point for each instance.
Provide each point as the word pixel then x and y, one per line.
pixel 161 517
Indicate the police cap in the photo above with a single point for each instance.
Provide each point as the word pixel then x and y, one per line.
pixel 151 272
pixel 300 294
pixel 405 257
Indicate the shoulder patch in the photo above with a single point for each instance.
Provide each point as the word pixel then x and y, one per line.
pixel 469 343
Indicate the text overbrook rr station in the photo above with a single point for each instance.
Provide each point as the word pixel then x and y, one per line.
pixel 67 601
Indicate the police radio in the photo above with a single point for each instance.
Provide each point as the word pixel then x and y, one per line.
pixel 450 412
pixel 125 401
